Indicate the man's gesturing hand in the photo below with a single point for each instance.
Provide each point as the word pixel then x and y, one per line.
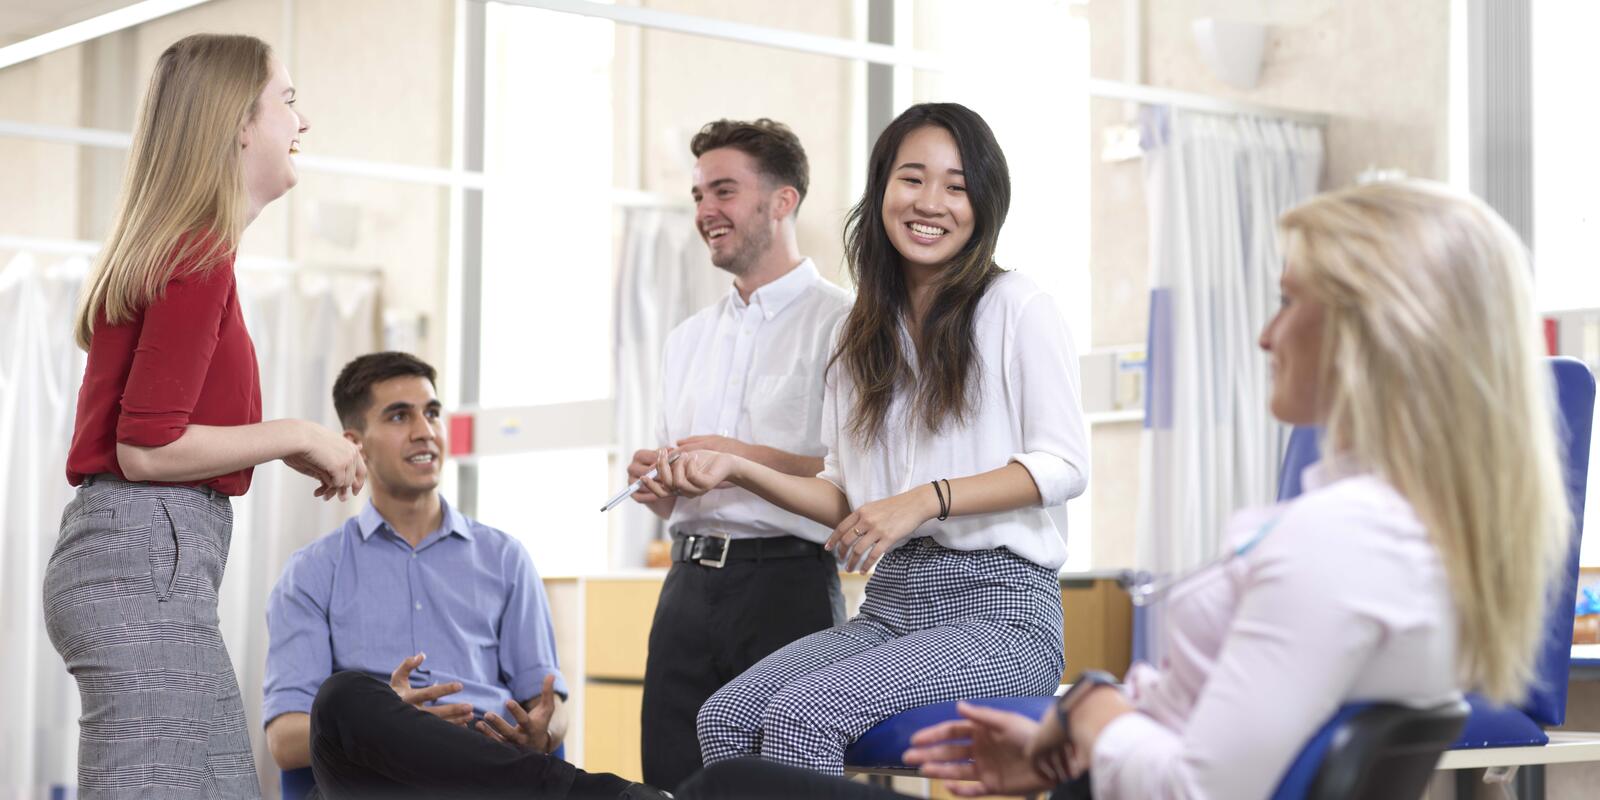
pixel 532 731
pixel 400 682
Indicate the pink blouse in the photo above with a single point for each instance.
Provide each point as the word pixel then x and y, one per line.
pixel 1344 599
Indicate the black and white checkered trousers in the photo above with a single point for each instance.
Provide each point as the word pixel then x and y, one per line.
pixel 936 625
pixel 130 599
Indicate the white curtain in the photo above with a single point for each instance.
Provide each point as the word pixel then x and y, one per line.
pixel 306 325
pixel 40 369
pixel 1215 186
pixel 665 276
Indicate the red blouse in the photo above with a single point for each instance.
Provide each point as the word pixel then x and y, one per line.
pixel 185 359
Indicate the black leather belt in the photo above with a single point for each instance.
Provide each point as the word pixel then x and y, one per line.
pixel 717 550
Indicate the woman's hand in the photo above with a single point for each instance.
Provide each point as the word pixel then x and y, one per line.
pixel 987 746
pixel 1091 716
pixel 694 473
pixel 1064 753
pixel 871 530
pixel 332 460
pixel 1050 736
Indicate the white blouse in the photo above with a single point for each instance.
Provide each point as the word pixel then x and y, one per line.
pixel 1344 599
pixel 1027 410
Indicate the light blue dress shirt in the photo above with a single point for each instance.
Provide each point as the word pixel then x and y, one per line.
pixel 361 598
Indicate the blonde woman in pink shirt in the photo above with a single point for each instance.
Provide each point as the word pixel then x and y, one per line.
pixel 1412 568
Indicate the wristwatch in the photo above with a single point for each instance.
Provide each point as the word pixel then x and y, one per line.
pixel 1087 681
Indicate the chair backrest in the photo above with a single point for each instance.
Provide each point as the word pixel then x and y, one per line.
pixel 1547 701
pixel 1373 751
pixel 296 784
pixel 1575 391
pixel 1299 453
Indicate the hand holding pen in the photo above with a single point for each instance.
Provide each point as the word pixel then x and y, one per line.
pixel 645 488
pixel 648 487
pixel 692 473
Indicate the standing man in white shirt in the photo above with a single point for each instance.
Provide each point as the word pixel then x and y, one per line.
pixel 742 376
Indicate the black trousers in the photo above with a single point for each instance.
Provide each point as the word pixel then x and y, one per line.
pixel 367 742
pixel 755 779
pixel 712 624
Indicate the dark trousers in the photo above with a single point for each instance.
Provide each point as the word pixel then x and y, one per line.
pixel 712 624
pixel 756 779
pixel 367 742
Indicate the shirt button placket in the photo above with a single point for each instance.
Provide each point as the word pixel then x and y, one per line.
pixel 413 585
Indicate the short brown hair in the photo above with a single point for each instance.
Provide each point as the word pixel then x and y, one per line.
pixel 774 147
pixel 352 390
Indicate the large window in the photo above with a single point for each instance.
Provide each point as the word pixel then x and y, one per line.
pixel 1566 209
pixel 547 207
pixel 1566 170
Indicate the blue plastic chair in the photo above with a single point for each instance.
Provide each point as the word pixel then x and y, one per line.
pixel 879 749
pixel 296 784
pixel 1371 751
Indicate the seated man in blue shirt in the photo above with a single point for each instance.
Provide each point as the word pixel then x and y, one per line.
pixel 449 609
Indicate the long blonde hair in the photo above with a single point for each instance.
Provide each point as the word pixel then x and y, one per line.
pixel 1435 369
pixel 184 177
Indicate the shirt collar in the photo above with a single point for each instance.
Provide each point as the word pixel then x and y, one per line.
pixel 1330 469
pixel 369 521
pixel 773 298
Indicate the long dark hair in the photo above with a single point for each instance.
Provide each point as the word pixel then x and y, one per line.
pixel 869 345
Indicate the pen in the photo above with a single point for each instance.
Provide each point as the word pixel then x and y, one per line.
pixel 635 486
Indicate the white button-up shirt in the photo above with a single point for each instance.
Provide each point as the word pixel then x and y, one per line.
pixel 1344 599
pixel 753 372
pixel 1027 409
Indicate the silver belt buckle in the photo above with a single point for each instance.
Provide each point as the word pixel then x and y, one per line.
pixel 720 562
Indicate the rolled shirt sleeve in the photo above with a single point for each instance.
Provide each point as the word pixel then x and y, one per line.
pixel 1043 375
pixel 832 470
pixel 173 355
pixel 527 636
pixel 299 641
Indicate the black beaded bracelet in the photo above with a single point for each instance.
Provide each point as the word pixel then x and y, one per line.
pixel 944 506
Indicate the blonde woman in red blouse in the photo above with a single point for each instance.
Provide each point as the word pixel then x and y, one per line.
pixel 168 429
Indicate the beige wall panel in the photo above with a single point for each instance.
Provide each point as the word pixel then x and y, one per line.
pixel 618 618
pixel 1381 68
pixel 38 178
pixel 611 729
pixel 688 81
pixel 1115 454
pixel 823 18
pixel 389 64
pixel 1097 627
pixel 566 616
